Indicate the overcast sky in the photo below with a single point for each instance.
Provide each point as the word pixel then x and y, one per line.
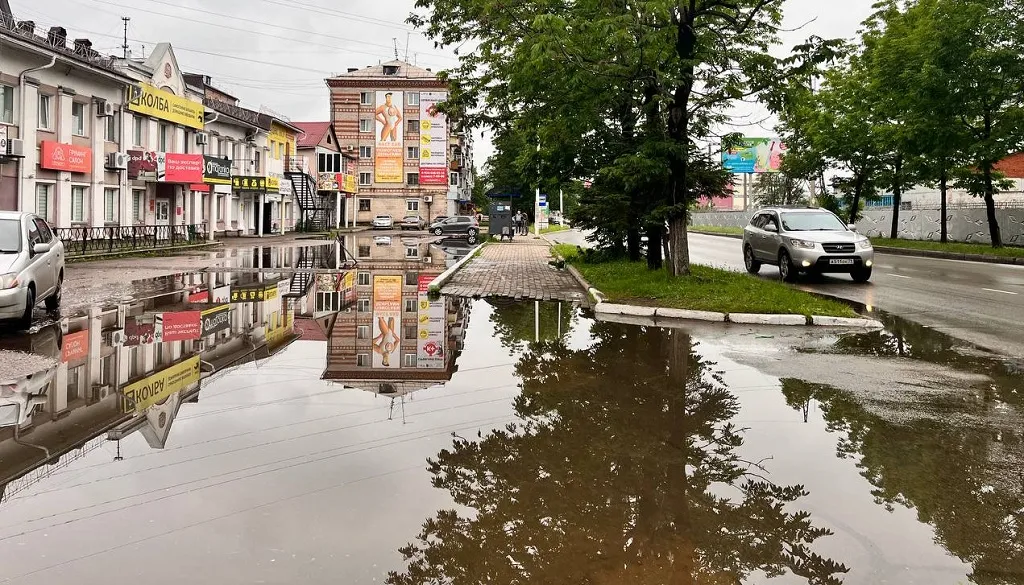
pixel 276 53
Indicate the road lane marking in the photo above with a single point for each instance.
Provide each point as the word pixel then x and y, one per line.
pixel 995 290
pixel 898 275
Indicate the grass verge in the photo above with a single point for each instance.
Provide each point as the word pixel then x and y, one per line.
pixel 552 228
pixel 952 247
pixel 713 229
pixel 705 289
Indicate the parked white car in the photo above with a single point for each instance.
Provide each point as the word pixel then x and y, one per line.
pixel 31 266
pixel 383 222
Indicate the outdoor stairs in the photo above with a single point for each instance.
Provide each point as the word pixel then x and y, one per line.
pixel 310 258
pixel 316 211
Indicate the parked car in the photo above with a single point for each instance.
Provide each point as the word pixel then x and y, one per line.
pixel 31 266
pixel 438 219
pixel 413 222
pixel 459 224
pixel 806 240
pixel 383 222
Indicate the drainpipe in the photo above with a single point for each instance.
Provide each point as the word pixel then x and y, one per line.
pixel 21 128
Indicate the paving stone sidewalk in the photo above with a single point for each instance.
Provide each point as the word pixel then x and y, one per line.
pixel 517 270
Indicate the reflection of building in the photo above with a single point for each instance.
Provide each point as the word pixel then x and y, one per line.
pixel 129 367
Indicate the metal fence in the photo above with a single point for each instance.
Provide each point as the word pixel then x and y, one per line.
pixel 80 241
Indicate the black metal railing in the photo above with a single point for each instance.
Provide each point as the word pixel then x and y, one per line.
pixel 81 241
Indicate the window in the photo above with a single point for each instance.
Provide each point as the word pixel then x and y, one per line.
pixel 366 98
pixel 138 207
pixel 43 201
pixel 364 180
pixel 412 178
pixel 412 99
pixel 409 360
pixel 164 138
pixel 412 152
pixel 110 129
pixel 366 125
pixel 363 278
pixel 256 159
pixel 6 104
pixel 363 332
pixel 137 123
pixel 409 332
pixel 364 251
pixel 412 205
pixel 45 111
pixel 391 70
pixel 77 203
pixel 413 125
pixel 453 179
pixel 78 119
pixel 188 142
pixel 234 153
pixel 410 305
pixel 412 252
pixel 364 205
pixel 363 306
pixel 328 163
pixel 110 204
pixel 327 301
pixel 45 235
pixel 365 152
pixel 411 279
pixel 362 359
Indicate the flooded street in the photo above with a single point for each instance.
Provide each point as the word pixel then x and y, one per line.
pixel 348 428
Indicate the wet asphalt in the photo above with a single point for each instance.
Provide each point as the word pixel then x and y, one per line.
pixel 556 448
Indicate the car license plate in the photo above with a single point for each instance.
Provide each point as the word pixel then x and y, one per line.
pixel 840 261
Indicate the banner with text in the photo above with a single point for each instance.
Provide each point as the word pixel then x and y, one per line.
pixel 755 155
pixel 148 100
pixel 387 321
pixel 156 388
pixel 433 139
pixel 430 325
pixel 389 138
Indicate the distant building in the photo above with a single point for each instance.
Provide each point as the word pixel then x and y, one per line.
pixel 319 154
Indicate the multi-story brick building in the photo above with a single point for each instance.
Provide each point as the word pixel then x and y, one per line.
pixel 384 113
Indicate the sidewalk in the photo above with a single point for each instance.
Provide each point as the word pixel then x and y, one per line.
pixel 518 270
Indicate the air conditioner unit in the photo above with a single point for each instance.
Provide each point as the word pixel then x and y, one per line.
pixel 117 160
pixel 428 199
pixel 426 259
pixel 116 338
pixel 350 147
pixel 202 138
pixel 100 391
pixel 15 147
pixel 104 109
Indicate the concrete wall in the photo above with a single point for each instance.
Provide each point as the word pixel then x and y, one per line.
pixel 964 225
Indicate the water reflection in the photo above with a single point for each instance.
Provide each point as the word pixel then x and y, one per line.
pixel 624 468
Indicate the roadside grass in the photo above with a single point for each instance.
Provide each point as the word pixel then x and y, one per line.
pixel 713 229
pixel 705 289
pixel 952 247
pixel 552 228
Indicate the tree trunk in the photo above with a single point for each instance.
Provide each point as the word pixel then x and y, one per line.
pixel 858 186
pixel 943 188
pixel 679 133
pixel 990 208
pixel 654 237
pixel 679 246
pixel 897 194
pixel 633 244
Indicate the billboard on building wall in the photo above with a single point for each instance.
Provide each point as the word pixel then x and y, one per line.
pixel 430 322
pixel 389 138
pixel 755 155
pixel 433 139
pixel 387 321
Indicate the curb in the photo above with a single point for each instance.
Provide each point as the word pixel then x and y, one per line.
pixel 443 278
pixel 985 258
pixel 138 253
pixel 667 314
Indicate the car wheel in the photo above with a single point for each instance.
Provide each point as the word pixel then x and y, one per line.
pixel 438 231
pixel 786 268
pixel 752 265
pixel 861 274
pixel 53 301
pixel 30 304
pixel 473 232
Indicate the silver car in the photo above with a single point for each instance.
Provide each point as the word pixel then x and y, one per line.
pixel 806 240
pixel 31 266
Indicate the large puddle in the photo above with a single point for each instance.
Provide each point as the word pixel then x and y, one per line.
pixel 348 428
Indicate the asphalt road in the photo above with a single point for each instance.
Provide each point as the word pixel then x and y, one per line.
pixel 977 302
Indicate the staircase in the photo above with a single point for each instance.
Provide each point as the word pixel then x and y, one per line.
pixel 315 211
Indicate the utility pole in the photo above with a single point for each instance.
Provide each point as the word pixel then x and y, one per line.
pixel 124 47
pixel 536 200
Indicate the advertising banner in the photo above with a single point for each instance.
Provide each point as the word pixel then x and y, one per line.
pixel 348 184
pixel 76 346
pixel 221 294
pixel 387 321
pixel 755 155
pixel 58 156
pixel 433 139
pixel 389 138
pixel 216 170
pixel 327 182
pixel 138 333
pixel 216 320
pixel 150 101
pixel 249 183
pixel 165 167
pixel 430 326
pixel 199 296
pixel 179 326
pixel 253 293
pixel 161 385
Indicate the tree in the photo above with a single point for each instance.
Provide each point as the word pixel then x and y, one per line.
pixel 772 189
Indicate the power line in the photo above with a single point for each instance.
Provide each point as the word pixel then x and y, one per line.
pixel 326 11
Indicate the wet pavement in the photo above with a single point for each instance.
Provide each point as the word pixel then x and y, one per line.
pixel 501 441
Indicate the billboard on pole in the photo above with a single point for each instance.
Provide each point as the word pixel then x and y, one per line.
pixel 755 155
pixel 389 138
pixel 433 139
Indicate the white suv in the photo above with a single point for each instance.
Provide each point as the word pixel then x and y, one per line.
pixel 31 266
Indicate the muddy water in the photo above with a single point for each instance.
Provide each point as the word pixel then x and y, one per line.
pixel 553 448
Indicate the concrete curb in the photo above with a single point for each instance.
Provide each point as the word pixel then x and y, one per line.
pixel 443 278
pixel 139 253
pixel 985 258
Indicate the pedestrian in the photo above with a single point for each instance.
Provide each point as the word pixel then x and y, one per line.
pixel 516 220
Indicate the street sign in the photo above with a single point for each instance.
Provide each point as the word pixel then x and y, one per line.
pixel 542 198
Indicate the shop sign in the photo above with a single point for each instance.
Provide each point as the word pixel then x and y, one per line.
pixel 165 167
pixel 180 326
pixel 216 320
pixel 348 184
pixel 161 385
pixel 249 183
pixel 216 170
pixel 222 294
pixel 327 182
pixel 76 346
pixel 253 293
pixel 199 296
pixel 148 100
pixel 138 333
pixel 58 156
pixel 273 181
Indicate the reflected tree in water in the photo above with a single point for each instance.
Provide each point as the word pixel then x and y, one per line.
pixel 624 469
pixel 962 477
pixel 515 322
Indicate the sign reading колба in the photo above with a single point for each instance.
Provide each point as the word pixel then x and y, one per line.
pixel 161 385
pixel 151 101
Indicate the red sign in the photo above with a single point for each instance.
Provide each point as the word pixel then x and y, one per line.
pixel 433 176
pixel 76 346
pixel 201 187
pixel 202 296
pixel 183 168
pixel 182 325
pixel 65 157
pixel 137 333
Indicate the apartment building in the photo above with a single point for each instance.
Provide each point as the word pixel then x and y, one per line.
pixel 385 114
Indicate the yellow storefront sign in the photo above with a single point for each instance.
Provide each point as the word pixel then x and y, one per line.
pixel 151 390
pixel 349 184
pixel 148 100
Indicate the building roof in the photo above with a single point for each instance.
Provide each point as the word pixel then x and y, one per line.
pixel 56 41
pixel 377 72
pixel 1012 166
pixel 314 133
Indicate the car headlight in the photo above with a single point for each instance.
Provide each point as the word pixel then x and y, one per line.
pixel 805 244
pixel 864 244
pixel 9 281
